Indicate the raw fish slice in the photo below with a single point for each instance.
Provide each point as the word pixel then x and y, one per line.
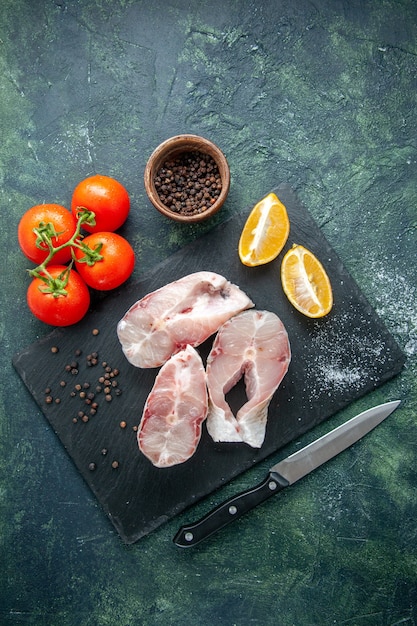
pixel 170 428
pixel 253 344
pixel 185 312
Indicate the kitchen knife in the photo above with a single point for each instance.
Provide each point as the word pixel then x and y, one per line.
pixel 285 473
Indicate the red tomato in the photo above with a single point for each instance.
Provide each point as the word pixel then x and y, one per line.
pixel 114 268
pixel 62 223
pixel 62 310
pixel 106 197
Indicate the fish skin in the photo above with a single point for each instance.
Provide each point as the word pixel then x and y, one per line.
pixel 253 344
pixel 170 428
pixel 184 312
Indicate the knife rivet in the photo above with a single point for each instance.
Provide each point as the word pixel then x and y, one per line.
pixel 272 485
pixel 232 509
pixel 188 537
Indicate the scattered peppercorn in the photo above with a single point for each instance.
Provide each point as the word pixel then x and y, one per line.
pixel 95 331
pixel 92 359
pixel 54 350
pixel 104 383
pixel 189 184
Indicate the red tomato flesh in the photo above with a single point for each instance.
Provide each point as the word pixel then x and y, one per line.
pixel 62 310
pixel 114 268
pixel 106 197
pixel 62 221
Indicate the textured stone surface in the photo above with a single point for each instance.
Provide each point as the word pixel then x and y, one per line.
pixel 320 95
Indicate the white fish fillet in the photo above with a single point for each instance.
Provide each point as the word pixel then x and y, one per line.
pixel 253 344
pixel 185 312
pixel 170 428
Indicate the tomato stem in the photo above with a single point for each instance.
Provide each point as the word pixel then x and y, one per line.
pixel 56 286
pixel 45 233
pixel 91 255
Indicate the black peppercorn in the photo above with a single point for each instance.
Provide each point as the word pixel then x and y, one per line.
pixel 179 183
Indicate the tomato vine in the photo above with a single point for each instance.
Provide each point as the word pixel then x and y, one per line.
pixel 45 233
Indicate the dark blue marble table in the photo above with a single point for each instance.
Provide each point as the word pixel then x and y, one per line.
pixel 321 96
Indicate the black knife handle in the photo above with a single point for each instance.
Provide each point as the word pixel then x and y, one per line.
pixel 229 511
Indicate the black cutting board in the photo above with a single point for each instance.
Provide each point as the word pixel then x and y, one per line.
pixel 335 360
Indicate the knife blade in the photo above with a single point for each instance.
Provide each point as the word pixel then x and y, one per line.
pixel 285 473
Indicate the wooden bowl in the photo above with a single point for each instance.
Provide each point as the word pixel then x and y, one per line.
pixel 173 149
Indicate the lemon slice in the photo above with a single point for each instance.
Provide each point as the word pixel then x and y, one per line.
pixel 306 283
pixel 265 232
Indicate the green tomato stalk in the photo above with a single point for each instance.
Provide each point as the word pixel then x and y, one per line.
pixel 44 236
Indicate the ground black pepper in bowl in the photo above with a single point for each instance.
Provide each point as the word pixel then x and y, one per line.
pixel 189 184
